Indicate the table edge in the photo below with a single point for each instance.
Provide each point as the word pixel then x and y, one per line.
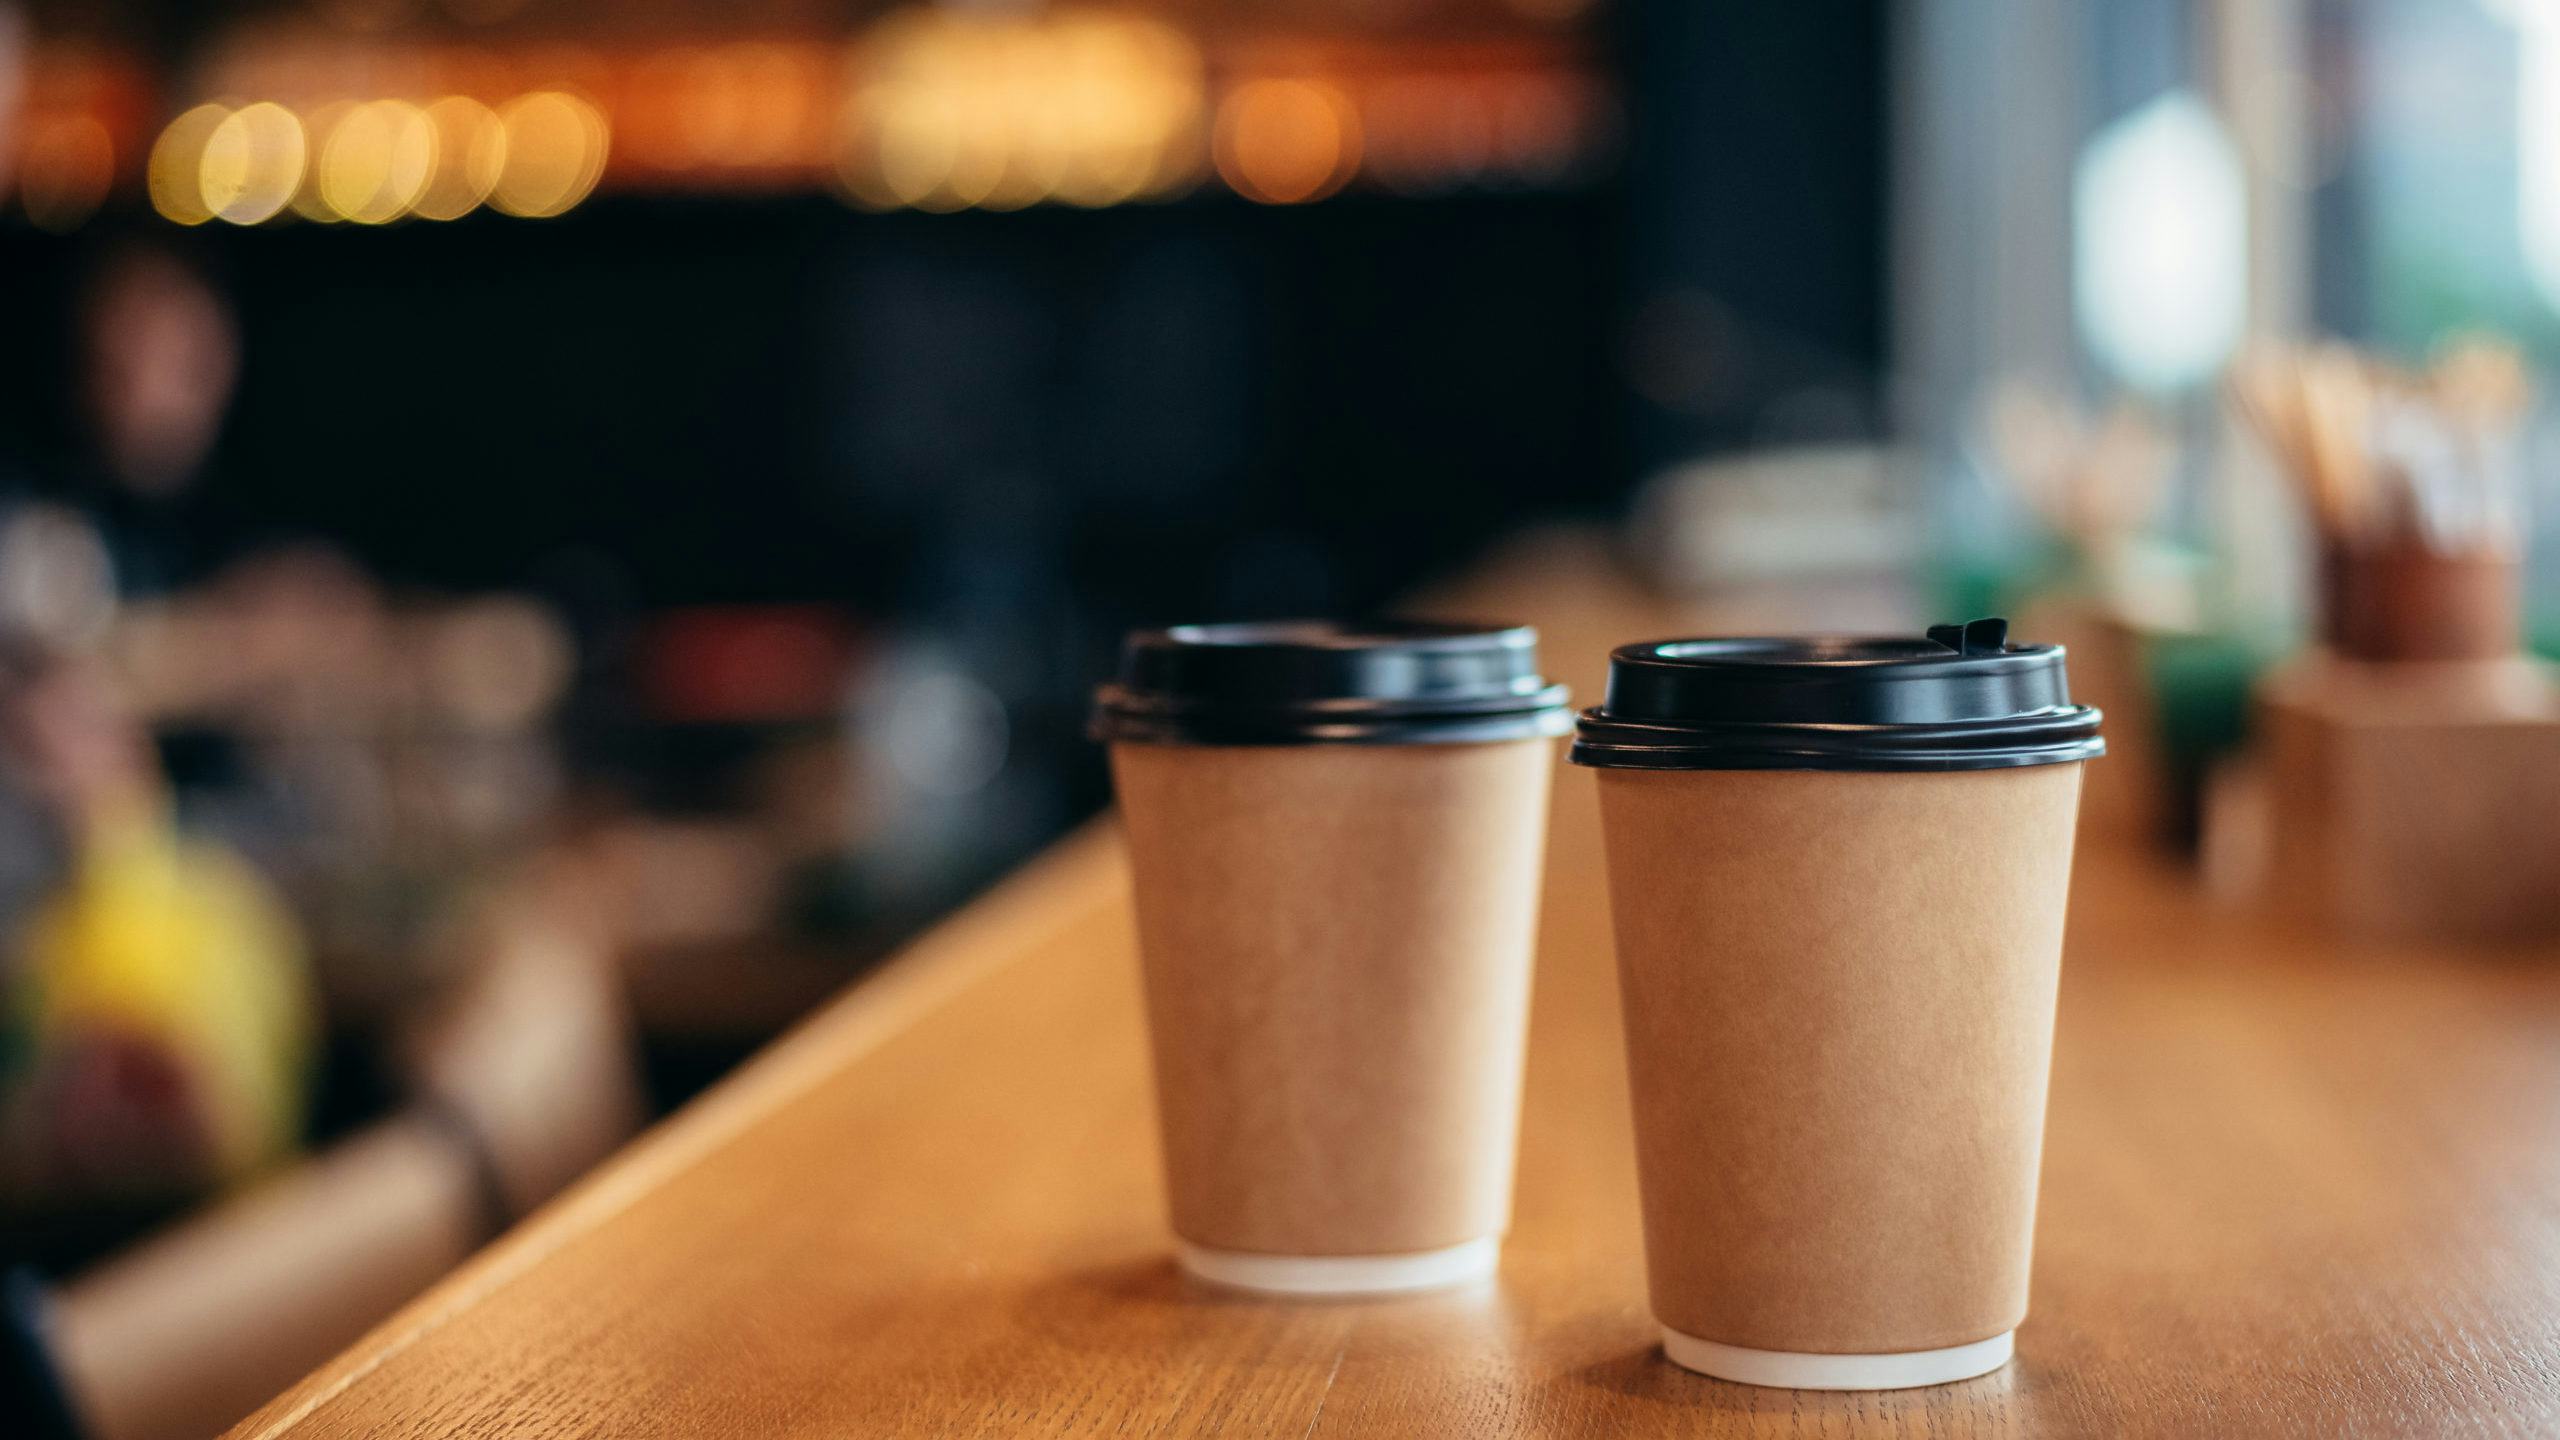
pixel 1044 896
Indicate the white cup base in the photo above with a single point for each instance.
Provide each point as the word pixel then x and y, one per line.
pixel 1790 1370
pixel 1343 1274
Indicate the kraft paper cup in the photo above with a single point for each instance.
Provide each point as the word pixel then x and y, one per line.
pixel 1336 935
pixel 1838 967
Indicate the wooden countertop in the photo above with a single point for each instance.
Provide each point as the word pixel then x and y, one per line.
pixel 2287 1190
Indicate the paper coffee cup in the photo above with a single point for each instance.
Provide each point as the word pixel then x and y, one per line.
pixel 1335 837
pixel 1838 872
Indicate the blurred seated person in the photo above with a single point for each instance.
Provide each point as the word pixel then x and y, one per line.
pixel 117 473
pixel 158 360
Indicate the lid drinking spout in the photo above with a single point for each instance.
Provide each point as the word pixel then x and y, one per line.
pixel 1974 637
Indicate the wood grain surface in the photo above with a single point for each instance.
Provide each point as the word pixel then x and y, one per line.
pixel 2289 1190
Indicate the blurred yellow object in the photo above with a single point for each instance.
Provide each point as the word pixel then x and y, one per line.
pixel 177 946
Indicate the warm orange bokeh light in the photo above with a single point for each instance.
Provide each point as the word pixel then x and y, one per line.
pixel 70 162
pixel 1284 141
pixel 1000 112
pixel 471 150
pixel 317 127
pixel 555 149
pixel 376 161
pixel 252 163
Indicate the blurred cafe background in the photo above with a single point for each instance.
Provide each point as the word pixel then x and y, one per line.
pixel 539 540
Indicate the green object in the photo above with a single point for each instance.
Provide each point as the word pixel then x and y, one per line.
pixel 2201 686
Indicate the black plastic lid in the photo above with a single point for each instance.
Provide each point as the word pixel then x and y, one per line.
pixel 1961 699
pixel 1297 682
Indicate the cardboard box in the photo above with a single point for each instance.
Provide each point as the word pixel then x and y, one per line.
pixel 2412 800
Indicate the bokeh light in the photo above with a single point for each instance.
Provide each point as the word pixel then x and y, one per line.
pixel 1540 120
pixel 2537 174
pixel 376 161
pixel 1001 112
pixel 471 152
pixel 555 151
pixel 935 108
pixel 252 163
pixel 933 147
pixel 1285 141
pixel 317 128
pixel 2160 244
pixel 174 175
pixel 744 104
pixel 69 163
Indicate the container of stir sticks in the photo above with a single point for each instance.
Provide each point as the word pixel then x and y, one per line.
pixel 2406 766
pixel 2412 483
